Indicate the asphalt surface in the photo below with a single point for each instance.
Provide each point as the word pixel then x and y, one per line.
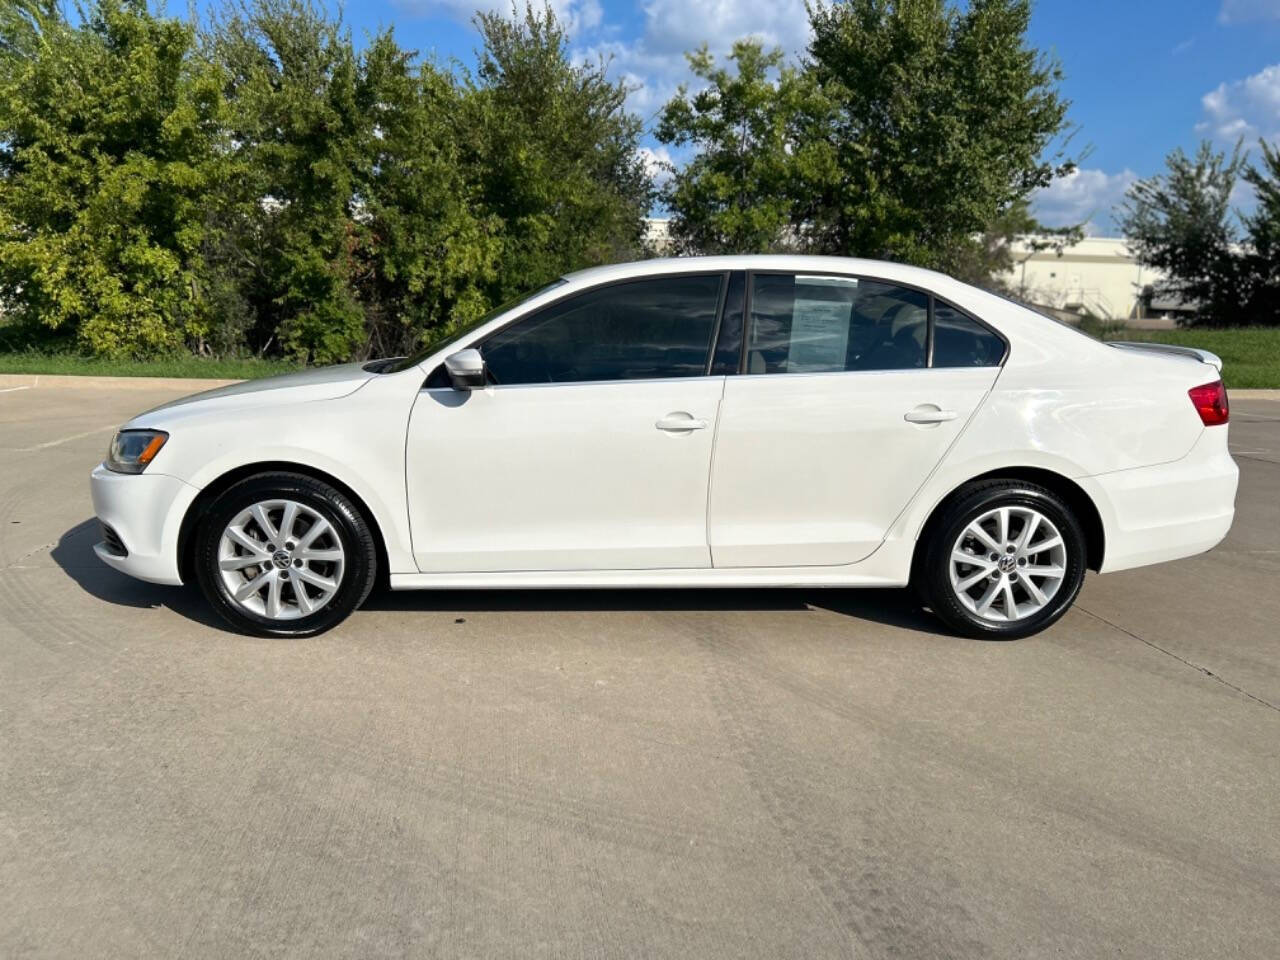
pixel 648 774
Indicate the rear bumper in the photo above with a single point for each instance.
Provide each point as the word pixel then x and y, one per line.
pixel 1168 511
pixel 145 512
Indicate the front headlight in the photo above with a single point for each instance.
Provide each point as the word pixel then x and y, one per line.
pixel 132 450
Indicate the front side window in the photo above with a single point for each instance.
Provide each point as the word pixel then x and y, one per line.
pixel 822 324
pixel 637 330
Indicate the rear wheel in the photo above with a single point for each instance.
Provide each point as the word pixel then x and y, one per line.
pixel 1005 560
pixel 283 554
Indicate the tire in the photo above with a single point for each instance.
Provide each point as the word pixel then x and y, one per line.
pixel 973 598
pixel 322 569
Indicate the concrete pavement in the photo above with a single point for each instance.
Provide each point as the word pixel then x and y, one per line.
pixel 613 774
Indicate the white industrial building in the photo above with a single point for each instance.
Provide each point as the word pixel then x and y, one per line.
pixel 1097 276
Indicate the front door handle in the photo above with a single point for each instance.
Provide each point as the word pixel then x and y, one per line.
pixel 680 422
pixel 929 413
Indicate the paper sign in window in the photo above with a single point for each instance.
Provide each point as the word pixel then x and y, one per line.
pixel 819 335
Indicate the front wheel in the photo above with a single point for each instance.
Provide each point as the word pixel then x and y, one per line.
pixel 1005 560
pixel 286 555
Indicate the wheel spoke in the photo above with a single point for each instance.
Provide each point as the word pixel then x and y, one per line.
pixel 1028 531
pixel 251 587
pixel 975 529
pixel 304 601
pixel 1050 572
pixel 287 520
pixel 240 561
pixel 1037 594
pixel 236 535
pixel 1046 544
pixel 264 522
pixel 1010 604
pixel 273 597
pixel 1003 525
pixel 319 555
pixel 313 578
pixel 974 579
pixel 985 603
pixel 321 526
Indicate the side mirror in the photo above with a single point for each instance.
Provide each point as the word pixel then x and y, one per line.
pixel 465 369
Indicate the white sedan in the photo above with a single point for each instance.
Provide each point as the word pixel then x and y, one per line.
pixel 706 422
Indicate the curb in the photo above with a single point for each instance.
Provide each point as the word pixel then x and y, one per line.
pixel 26 381
pixel 1254 394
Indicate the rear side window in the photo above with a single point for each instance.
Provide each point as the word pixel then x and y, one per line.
pixel 821 324
pixel 638 330
pixel 960 341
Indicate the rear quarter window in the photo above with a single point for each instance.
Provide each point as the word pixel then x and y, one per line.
pixel 961 341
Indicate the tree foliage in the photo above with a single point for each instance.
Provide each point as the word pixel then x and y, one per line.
pixel 911 127
pixel 1181 223
pixel 258 181
pixel 1262 257
pixel 556 155
pixel 736 193
pixel 109 142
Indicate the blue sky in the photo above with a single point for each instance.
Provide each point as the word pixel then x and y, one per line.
pixel 1144 76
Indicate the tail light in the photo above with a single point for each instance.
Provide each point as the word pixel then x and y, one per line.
pixel 1210 401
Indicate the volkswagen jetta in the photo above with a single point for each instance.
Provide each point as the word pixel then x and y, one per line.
pixel 704 422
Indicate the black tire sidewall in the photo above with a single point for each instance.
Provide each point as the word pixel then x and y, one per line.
pixel 936 574
pixel 360 562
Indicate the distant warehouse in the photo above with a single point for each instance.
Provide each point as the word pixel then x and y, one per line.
pixel 1096 277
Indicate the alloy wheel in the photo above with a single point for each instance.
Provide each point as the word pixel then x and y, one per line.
pixel 280 559
pixel 1008 564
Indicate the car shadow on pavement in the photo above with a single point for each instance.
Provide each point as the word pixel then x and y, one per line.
pixel 74 555
pixel 895 608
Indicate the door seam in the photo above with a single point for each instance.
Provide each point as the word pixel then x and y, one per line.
pixel 711 473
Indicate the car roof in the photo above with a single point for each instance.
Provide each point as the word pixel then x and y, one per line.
pixel 788 262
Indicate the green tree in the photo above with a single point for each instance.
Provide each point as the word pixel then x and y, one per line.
pixel 109 142
pixel 433 250
pixel 551 152
pixel 936 120
pixel 737 192
pixel 1262 259
pixel 1181 223
pixel 301 124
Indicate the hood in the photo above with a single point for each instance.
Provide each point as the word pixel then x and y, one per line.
pixel 321 383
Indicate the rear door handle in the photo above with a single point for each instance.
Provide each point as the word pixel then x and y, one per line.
pixel 929 413
pixel 680 422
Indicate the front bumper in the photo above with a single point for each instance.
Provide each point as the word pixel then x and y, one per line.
pixel 145 510
pixel 1168 511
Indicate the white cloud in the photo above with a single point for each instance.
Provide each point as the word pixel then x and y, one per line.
pixel 1085 196
pixel 1248 108
pixel 653 65
pixel 657 163
pixel 578 16
pixel 1242 11
pixel 676 26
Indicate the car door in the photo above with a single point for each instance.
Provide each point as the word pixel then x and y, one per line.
pixel 852 391
pixel 589 449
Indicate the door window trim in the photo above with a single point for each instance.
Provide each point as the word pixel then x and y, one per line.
pixel 933 299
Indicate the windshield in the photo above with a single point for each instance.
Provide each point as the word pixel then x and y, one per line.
pixel 458 333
